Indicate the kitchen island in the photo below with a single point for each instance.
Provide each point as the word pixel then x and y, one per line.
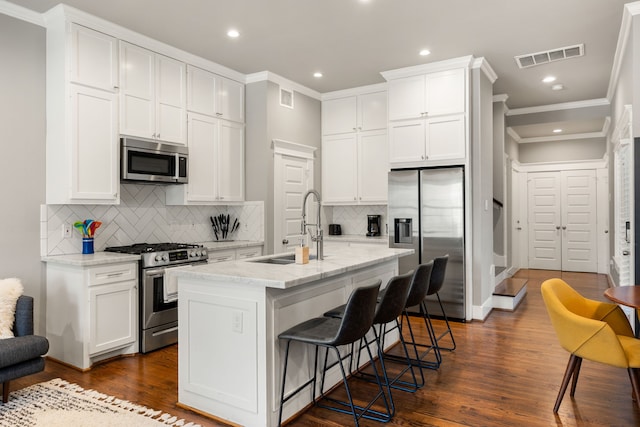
pixel 230 315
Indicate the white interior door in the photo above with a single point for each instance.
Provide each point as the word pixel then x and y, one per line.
pixel 562 220
pixel 293 177
pixel 519 219
pixel 579 221
pixel 543 192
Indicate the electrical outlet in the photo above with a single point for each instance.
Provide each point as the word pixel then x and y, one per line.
pixel 66 231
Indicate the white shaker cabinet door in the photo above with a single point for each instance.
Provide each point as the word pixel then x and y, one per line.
pixel 407 141
pixel 230 100
pixel 230 162
pixel 373 167
pixel 137 91
pixel 201 91
pixel 407 98
pixel 94 144
pixel 372 111
pixel 94 58
pixel 113 316
pixel 171 100
pixel 203 132
pixel 446 137
pixel 339 116
pixel 339 169
pixel 445 92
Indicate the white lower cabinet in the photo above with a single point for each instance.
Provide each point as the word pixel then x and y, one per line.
pixel 92 312
pixel 112 308
pixel 233 254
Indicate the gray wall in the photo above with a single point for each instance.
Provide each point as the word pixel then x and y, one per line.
pixel 563 151
pixel 22 163
pixel 482 187
pixel 268 120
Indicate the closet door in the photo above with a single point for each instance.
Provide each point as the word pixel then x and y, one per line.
pixel 579 221
pixel 545 244
pixel 562 220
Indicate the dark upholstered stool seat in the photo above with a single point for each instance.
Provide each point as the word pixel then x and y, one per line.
pixel 330 333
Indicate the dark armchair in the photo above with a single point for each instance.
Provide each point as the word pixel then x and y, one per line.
pixel 21 355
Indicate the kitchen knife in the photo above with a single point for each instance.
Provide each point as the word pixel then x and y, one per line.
pixel 235 223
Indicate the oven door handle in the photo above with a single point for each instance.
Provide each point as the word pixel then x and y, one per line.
pixel 154 272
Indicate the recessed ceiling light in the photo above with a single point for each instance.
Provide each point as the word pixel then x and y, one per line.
pixel 557 87
pixel 233 33
pixel 425 52
pixel 557 130
pixel 317 74
pixel 549 79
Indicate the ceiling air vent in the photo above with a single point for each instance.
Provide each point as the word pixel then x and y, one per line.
pixel 538 58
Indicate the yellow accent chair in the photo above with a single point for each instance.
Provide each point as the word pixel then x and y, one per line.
pixel 592 330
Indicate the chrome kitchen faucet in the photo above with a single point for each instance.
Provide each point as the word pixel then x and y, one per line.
pixel 318 237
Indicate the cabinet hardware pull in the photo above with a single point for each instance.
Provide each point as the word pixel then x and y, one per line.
pixel 518 228
pixel 285 241
pixel 606 231
pixel 564 227
pixel 557 227
pixel 115 274
pixel 625 252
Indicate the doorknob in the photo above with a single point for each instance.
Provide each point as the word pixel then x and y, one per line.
pixel 285 241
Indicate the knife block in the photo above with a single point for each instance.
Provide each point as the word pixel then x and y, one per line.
pixel 302 255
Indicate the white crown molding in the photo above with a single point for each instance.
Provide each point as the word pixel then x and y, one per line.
pixel 62 13
pixel 294 149
pixel 22 13
pixel 502 97
pixel 562 106
pixel 461 62
pixel 282 81
pixel 560 166
pixel 354 91
pixel 513 134
pixel 486 68
pixel 569 137
pixel 630 10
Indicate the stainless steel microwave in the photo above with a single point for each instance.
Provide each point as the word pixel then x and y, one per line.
pixel 146 160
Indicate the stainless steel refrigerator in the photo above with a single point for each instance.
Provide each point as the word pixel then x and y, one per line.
pixel 426 213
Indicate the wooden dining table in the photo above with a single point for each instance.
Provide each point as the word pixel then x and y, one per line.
pixel 626 295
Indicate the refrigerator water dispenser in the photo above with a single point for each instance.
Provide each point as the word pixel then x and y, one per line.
pixel 402 229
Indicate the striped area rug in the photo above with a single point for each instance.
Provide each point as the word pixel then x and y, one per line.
pixel 60 403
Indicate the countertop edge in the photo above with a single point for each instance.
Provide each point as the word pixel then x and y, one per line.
pixel 89 260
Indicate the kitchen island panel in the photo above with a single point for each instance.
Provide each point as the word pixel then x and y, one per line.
pixel 223 304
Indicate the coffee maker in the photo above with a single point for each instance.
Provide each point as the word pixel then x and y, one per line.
pixel 373 225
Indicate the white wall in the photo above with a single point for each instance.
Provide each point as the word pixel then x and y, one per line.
pixel 22 163
pixel 563 151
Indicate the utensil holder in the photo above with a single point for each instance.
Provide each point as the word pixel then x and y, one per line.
pixel 87 245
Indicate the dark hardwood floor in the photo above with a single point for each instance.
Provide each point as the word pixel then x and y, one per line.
pixel 505 372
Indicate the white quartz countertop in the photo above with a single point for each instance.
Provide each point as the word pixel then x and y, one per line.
pixel 88 260
pixel 357 238
pixel 229 244
pixel 249 272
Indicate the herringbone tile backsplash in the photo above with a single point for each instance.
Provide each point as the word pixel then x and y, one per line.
pixel 142 216
pixel 353 219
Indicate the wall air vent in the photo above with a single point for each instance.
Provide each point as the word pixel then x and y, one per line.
pixel 538 58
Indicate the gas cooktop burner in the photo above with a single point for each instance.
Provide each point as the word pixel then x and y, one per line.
pixel 143 248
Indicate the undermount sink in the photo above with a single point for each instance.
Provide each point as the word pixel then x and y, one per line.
pixel 281 259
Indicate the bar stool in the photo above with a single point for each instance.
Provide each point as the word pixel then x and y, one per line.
pixel 391 302
pixel 330 333
pixel 435 284
pixel 417 294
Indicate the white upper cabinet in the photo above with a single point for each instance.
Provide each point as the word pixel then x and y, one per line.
pixel 94 59
pixel 216 163
pixel 153 95
pixel 214 95
pixel 354 168
pixel 355 149
pixel 427 118
pixel 425 95
pixel 354 113
pixel 82 116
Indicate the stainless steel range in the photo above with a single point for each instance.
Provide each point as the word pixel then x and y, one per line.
pixel 158 299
